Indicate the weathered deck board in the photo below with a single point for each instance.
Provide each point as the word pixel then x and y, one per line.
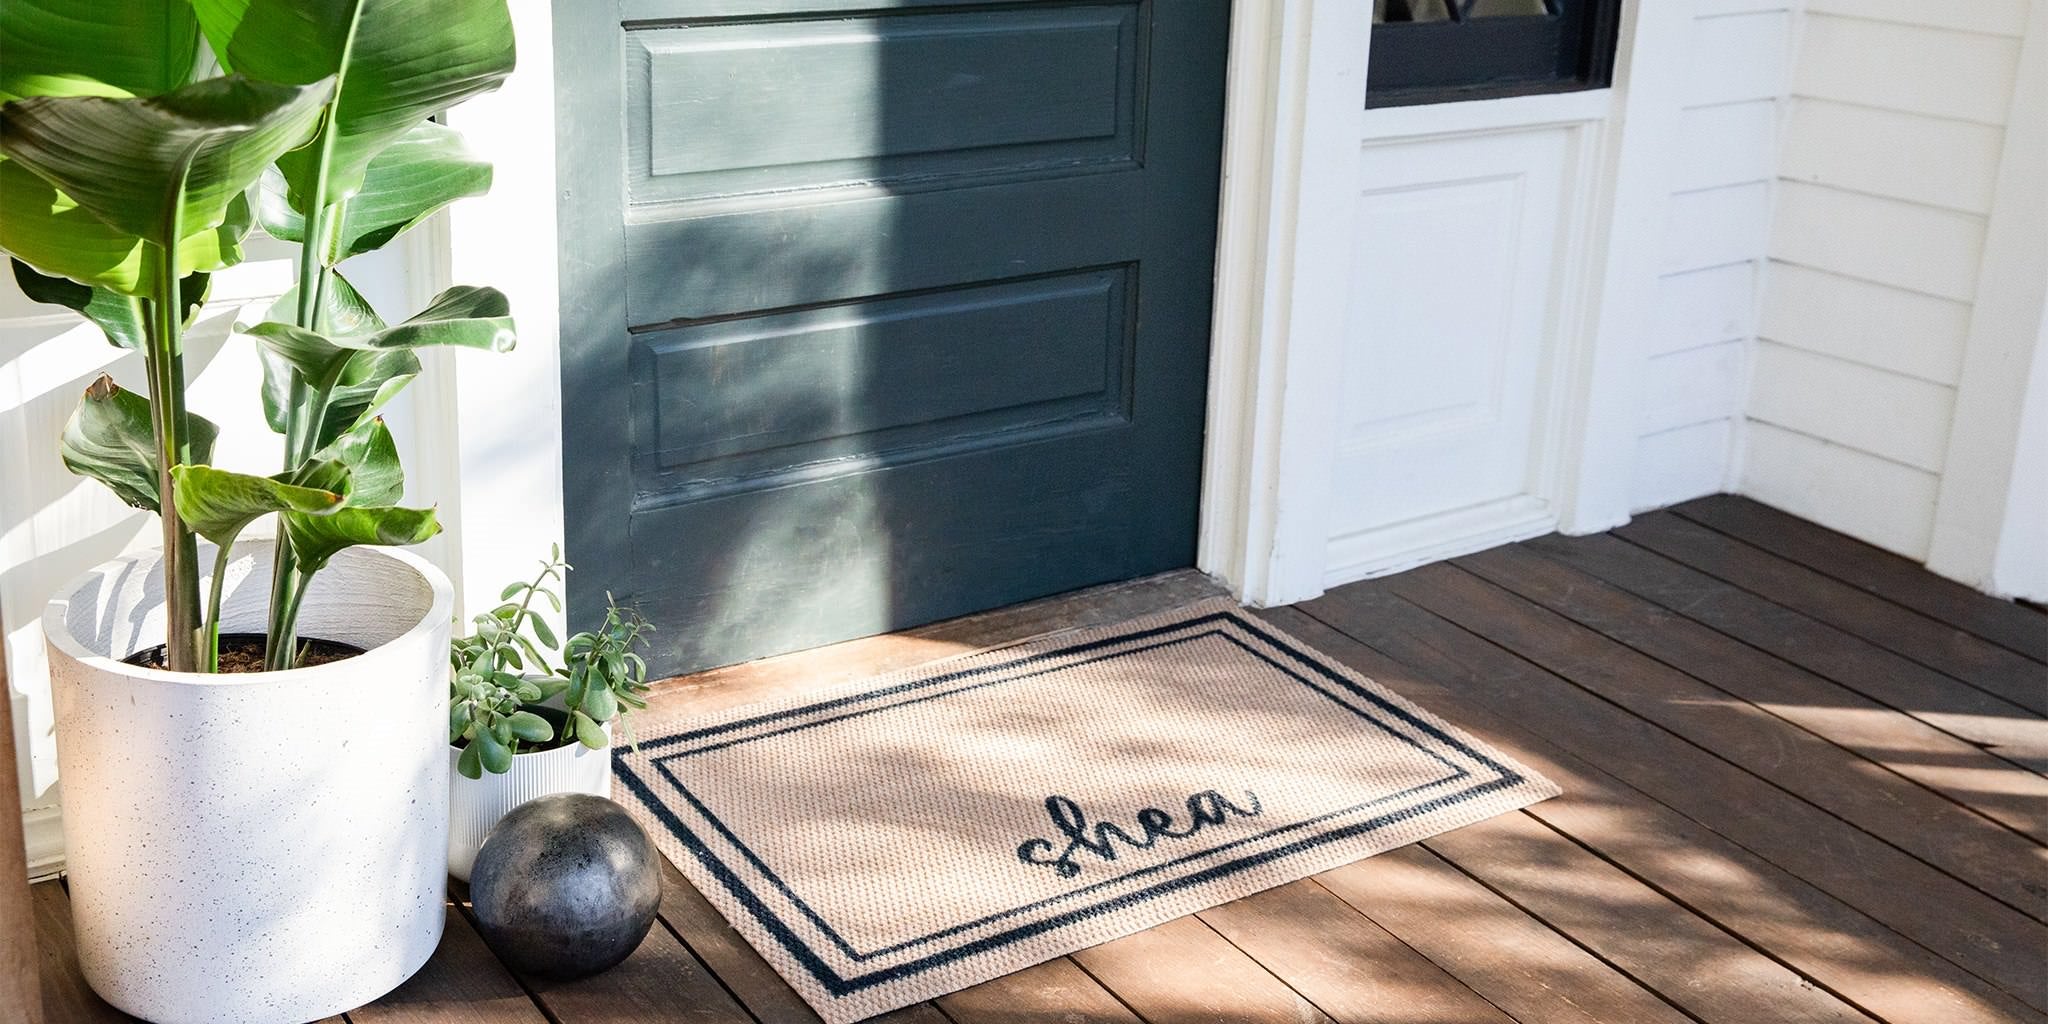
pixel 1183 972
pixel 1778 806
pixel 66 996
pixel 1485 686
pixel 1943 834
pixel 1349 967
pixel 1794 636
pixel 1874 571
pixel 1840 947
pixel 1993 787
pixel 462 984
pixel 1937 645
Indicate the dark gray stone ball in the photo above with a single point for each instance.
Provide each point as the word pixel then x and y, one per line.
pixel 565 886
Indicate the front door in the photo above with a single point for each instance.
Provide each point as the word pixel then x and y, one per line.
pixel 875 314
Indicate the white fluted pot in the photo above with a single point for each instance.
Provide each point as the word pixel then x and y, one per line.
pixel 475 805
pixel 255 847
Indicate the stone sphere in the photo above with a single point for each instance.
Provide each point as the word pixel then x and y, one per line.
pixel 565 886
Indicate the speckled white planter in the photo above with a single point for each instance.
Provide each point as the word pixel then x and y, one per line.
pixel 474 805
pixel 259 847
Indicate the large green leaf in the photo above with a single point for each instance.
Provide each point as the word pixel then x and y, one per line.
pixel 103 48
pixel 123 318
pixel 367 460
pixel 217 504
pixel 422 172
pixel 368 381
pixel 111 438
pixel 368 457
pixel 352 376
pixel 315 539
pixel 48 230
pixel 398 62
pixel 138 163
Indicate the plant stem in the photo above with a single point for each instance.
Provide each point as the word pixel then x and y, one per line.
pixel 166 364
pixel 280 656
pixel 209 651
pixel 302 423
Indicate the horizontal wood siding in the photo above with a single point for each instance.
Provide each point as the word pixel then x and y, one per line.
pixel 1892 139
pixel 1722 175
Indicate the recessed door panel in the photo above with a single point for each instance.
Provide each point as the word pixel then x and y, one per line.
pixel 1455 265
pixel 877 314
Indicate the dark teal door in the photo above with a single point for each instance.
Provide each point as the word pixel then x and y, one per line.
pixel 878 313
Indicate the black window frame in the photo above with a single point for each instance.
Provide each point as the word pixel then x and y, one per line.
pixel 1420 62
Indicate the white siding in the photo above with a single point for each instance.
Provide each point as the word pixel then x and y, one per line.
pixel 1894 129
pixel 1717 235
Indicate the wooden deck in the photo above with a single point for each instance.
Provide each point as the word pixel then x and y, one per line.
pixel 1801 784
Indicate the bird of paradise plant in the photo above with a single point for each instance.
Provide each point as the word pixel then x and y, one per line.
pixel 130 171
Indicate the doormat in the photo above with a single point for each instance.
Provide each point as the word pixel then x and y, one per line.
pixel 913 834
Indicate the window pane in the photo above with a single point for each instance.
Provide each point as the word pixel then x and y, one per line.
pixel 1386 11
pixel 1506 8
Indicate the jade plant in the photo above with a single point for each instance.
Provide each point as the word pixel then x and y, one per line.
pixel 140 144
pixel 504 682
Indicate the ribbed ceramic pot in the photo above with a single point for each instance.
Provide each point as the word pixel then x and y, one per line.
pixel 475 805
pixel 255 847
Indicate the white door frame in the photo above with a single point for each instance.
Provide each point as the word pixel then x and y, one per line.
pixel 1295 87
pixel 1289 209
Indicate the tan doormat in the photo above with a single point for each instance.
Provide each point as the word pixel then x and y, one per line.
pixel 908 836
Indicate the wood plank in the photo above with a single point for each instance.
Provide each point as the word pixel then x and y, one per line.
pixel 1844 950
pixel 66 997
pixel 1890 241
pixel 1704 307
pixel 1886 503
pixel 1937 831
pixel 1930 160
pixel 1937 645
pixel 1045 992
pixel 1907 67
pixel 1182 972
pixel 1903 419
pixel 1739 57
pixel 1674 465
pixel 19 959
pixel 706 932
pixel 1685 957
pixel 1887 678
pixel 1905 745
pixel 1727 144
pixel 1349 967
pixel 1517 962
pixel 661 983
pixel 1973 931
pixel 1716 226
pixel 1902 331
pixel 1054 992
pixel 463 984
pixel 1880 573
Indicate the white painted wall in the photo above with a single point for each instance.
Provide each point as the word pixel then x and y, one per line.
pixel 1721 167
pixel 1889 176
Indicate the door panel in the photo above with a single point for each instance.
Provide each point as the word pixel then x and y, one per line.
pixel 877 316
pixel 1456 271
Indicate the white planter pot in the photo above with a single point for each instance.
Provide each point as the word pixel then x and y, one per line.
pixel 474 805
pixel 264 846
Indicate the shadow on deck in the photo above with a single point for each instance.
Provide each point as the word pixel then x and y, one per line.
pixel 1802 782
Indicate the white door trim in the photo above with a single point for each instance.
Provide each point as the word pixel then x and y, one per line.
pixel 1990 489
pixel 1296 77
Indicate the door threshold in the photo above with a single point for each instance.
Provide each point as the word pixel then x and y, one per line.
pixel 717 689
